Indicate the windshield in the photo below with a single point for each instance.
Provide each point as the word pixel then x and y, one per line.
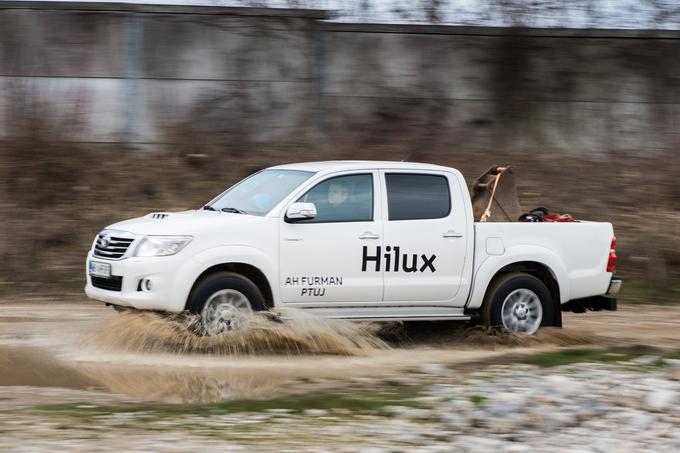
pixel 259 193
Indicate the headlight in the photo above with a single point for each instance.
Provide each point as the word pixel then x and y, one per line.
pixel 161 245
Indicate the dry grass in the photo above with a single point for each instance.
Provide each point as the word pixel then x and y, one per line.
pixel 58 196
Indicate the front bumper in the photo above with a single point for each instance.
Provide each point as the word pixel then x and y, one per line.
pixel 168 286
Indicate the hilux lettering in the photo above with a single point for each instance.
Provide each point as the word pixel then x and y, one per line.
pixel 393 263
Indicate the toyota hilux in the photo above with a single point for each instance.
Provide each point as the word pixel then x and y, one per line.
pixel 359 240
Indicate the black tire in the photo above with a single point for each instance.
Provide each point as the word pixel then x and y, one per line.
pixel 505 284
pixel 212 283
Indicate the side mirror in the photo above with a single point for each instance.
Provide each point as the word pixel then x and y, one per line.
pixel 301 211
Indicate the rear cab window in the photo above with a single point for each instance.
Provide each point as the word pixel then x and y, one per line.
pixel 417 196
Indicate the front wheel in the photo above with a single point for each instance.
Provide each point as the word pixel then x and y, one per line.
pixel 225 301
pixel 518 302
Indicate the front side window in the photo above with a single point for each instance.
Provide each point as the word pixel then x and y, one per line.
pixel 417 196
pixel 259 193
pixel 342 199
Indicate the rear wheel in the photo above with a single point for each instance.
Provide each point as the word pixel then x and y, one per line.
pixel 518 302
pixel 225 301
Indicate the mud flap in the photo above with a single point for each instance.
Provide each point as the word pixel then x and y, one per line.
pixel 557 319
pixel 595 303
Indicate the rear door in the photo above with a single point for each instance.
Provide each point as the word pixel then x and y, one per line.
pixel 425 234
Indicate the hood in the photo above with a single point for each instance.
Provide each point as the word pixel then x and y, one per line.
pixel 183 223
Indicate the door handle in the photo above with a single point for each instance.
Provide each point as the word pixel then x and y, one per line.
pixel 369 235
pixel 452 234
pixel 292 239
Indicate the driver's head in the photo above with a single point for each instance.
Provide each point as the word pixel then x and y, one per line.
pixel 337 194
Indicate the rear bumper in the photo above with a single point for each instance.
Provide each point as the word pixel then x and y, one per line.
pixel 597 303
pixel 615 285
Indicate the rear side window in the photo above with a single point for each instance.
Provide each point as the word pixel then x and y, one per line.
pixel 417 196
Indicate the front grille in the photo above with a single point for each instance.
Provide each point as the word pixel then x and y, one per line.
pixel 113 283
pixel 112 247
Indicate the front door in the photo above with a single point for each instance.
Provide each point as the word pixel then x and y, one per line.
pixel 425 238
pixel 322 258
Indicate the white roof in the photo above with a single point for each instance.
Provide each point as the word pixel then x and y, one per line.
pixel 340 165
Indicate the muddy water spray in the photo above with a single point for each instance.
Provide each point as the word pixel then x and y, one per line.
pixel 300 333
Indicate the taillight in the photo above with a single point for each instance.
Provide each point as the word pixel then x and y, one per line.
pixel 611 262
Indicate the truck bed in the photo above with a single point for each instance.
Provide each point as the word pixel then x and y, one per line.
pixel 575 252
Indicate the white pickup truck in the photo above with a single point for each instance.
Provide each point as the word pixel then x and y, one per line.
pixel 358 240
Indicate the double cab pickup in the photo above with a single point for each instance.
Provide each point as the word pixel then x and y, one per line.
pixel 359 240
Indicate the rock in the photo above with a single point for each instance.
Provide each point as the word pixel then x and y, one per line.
pixel 395 410
pixel 415 413
pixel 503 409
pixel 559 418
pixel 660 399
pixel 646 360
pixel 315 412
pixel 280 411
pixel 516 448
pixel 640 421
pixel 675 363
pixel 436 369
pixel 454 420
pixel 563 384
pixel 459 405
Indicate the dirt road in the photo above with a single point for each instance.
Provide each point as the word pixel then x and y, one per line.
pixel 80 377
pixel 54 352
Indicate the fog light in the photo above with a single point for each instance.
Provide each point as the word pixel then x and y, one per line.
pixel 146 284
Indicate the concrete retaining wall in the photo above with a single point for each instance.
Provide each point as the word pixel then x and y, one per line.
pixel 158 76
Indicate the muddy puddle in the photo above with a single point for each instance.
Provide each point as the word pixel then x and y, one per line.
pixel 146 356
pixel 24 368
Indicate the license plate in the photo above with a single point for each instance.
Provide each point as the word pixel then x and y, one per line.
pixel 98 269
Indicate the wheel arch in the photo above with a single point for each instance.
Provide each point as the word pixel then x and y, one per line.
pixel 535 260
pixel 543 273
pixel 251 272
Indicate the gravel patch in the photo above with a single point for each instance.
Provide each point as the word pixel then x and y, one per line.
pixel 630 405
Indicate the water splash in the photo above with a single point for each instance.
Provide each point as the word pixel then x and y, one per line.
pixel 299 333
